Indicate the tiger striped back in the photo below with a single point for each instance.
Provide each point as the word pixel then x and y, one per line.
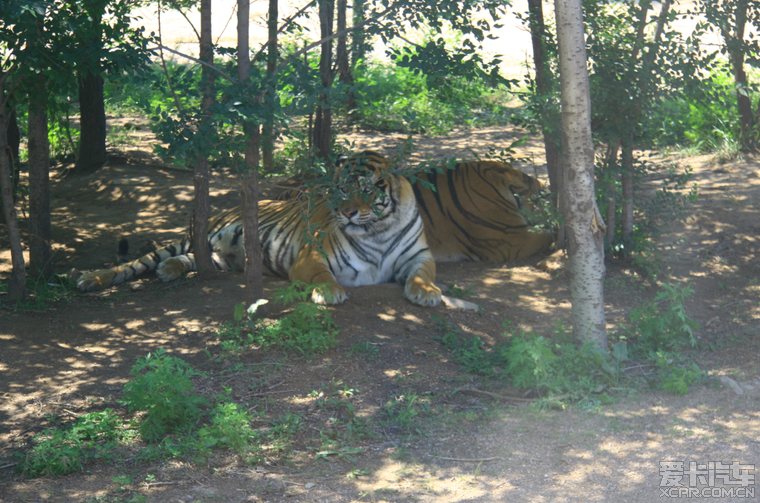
pixel 474 215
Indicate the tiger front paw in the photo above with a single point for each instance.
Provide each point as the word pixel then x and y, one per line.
pixel 421 292
pixel 329 294
pixel 96 280
pixel 173 268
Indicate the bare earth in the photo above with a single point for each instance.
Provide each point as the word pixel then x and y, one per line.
pixel 74 357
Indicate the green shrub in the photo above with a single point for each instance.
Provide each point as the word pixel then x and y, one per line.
pixel 162 387
pixel 705 117
pixel 675 375
pixel 394 98
pixel 230 428
pixel 405 411
pixel 662 323
pixel 63 451
pixel 309 329
pixel 471 354
pixel 559 367
pixel 657 331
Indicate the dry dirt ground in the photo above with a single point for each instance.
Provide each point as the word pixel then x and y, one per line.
pixel 73 356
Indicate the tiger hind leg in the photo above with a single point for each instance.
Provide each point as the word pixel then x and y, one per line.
pixel 103 278
pixel 174 267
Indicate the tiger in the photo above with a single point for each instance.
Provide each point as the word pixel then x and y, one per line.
pixel 471 212
pixel 374 235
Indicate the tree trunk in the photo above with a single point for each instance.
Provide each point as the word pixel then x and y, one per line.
pixel 626 207
pixel 743 101
pixel 358 46
pixel 92 122
pixel 538 37
pixel 323 122
pixel 626 142
pixel 611 161
pixel 757 124
pixel 268 133
pixel 736 56
pixel 201 211
pixel 12 150
pixel 254 287
pixel 39 182
pixel 345 76
pixel 17 286
pixel 13 140
pixel 585 228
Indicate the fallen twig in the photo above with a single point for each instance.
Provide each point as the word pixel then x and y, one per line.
pixel 151 484
pixel 389 439
pixel 275 385
pixel 497 396
pixel 250 395
pixel 465 460
pixel 294 483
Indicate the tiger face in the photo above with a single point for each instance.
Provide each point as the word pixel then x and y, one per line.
pixel 369 203
pixel 374 234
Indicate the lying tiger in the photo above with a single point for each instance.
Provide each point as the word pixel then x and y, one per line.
pixel 364 243
pixel 473 214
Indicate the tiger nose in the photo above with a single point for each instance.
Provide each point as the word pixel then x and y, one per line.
pixel 349 213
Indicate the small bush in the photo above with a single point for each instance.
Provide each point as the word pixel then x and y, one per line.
pixel 162 387
pixel 394 98
pixel 662 323
pixel 675 374
pixel 559 367
pixel 705 117
pixel 309 329
pixel 230 428
pixel 63 451
pixel 404 411
pixel 657 331
pixel 471 353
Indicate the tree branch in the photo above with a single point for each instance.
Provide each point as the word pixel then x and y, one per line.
pixel 660 28
pixel 287 61
pixel 195 60
pixel 163 61
pixel 643 11
pixel 281 28
pixel 176 7
pixel 418 46
pixel 335 35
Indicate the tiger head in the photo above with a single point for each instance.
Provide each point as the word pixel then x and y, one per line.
pixel 371 197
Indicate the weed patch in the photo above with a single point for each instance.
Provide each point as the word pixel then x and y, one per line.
pixel 66 450
pixel 562 372
pixel 309 329
pixel 162 387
